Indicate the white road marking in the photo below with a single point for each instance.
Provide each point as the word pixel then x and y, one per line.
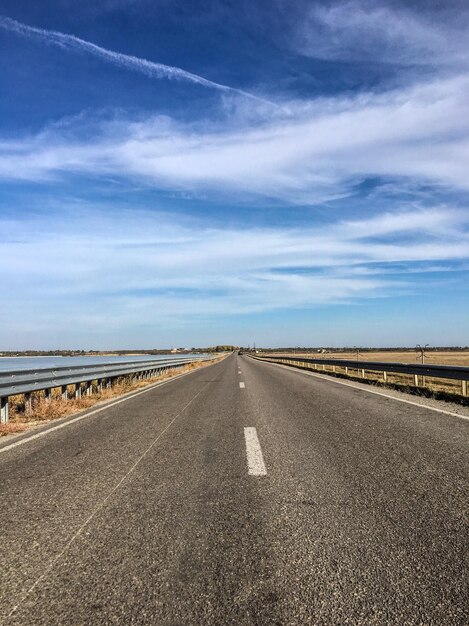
pixel 256 466
pixel 242 385
pixel 239 371
pixel 330 379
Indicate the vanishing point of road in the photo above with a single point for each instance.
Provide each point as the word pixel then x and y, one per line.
pixel 241 493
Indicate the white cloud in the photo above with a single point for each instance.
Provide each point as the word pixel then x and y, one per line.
pixel 370 31
pixel 141 268
pixel 316 152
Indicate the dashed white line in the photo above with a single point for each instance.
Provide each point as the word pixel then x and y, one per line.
pixel 256 466
pixel 242 385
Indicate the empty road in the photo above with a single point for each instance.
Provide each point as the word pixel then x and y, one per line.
pixel 242 493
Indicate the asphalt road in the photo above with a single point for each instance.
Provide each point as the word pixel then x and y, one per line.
pixel 336 506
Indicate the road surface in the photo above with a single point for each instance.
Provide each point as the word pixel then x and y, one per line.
pixel 242 493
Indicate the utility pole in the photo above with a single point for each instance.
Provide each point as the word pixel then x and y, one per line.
pixel 423 354
pixel 357 350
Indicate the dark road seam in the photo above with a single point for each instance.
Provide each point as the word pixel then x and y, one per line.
pixel 101 506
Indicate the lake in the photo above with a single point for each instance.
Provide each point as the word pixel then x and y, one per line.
pixel 38 362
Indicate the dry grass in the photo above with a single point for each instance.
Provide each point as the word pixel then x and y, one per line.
pixel 40 410
pixel 435 385
pixel 434 357
pixel 12 428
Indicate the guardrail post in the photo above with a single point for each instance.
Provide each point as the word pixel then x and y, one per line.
pixel 416 380
pixel 64 392
pixel 333 368
pixel 48 395
pixel 88 387
pixel 346 371
pixel 28 403
pixel 464 387
pixel 4 406
pixel 78 391
pixel 363 373
pixel 385 377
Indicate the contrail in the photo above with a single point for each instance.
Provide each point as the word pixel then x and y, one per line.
pixel 149 68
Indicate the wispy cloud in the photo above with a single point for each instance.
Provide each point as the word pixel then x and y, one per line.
pixel 59 264
pixel 371 31
pixel 319 152
pixel 129 62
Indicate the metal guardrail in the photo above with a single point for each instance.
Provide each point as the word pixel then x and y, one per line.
pixel 26 381
pixel 449 372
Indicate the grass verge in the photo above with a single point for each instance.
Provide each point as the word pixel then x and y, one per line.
pixel 39 411
pixel 436 389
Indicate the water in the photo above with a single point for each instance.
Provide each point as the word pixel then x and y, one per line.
pixel 39 362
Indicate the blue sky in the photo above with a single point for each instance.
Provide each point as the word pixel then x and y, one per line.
pixel 193 173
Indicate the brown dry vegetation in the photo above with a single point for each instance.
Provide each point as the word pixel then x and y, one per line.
pixel 437 357
pixel 43 411
pixel 434 357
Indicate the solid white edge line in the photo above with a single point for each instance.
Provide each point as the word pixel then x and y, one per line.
pixel 242 386
pixel 67 422
pixel 256 465
pixel 331 379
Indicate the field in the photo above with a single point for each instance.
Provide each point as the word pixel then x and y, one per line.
pixel 437 357
pixel 438 386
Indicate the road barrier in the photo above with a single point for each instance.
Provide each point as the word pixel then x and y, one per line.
pixel 448 372
pixel 105 374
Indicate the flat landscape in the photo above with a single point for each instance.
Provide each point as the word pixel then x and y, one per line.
pixel 243 493
pixel 434 357
pixel 195 196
